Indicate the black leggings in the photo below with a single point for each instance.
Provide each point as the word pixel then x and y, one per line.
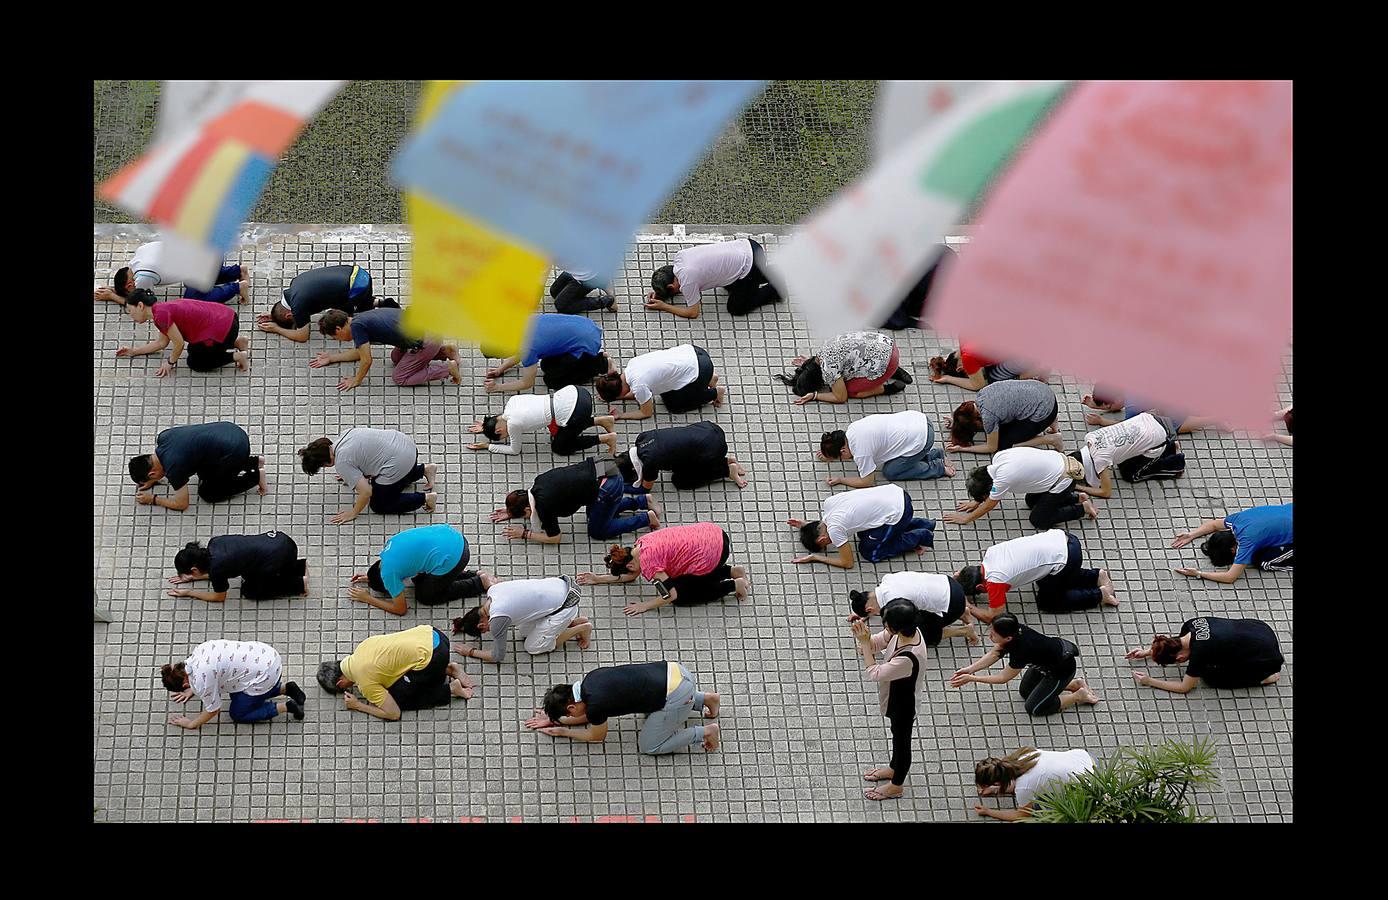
pixel 427 687
pixel 697 392
pixel 391 498
pixel 1140 468
pixel 902 726
pixel 571 295
pixel 1012 433
pixel 695 589
pixel 1072 587
pixel 1041 689
pixel 216 486
pixel 288 581
pixel 753 289
pixel 570 439
pixel 457 584
pixel 206 357
pixel 1049 510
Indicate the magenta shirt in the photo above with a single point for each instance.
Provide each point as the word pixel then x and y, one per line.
pixel 199 321
pixel 681 550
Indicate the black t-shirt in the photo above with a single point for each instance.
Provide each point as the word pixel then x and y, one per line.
pixel 249 556
pixel 622 690
pixel 381 326
pixel 1231 652
pixel 563 492
pixel 1032 648
pixel 322 289
pixel 188 450
pixel 672 448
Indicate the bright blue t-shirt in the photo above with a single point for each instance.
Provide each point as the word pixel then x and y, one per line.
pixel 555 334
pixel 1260 527
pixel 430 550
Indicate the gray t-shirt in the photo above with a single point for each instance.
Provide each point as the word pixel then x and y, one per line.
pixel 383 456
pixel 1015 401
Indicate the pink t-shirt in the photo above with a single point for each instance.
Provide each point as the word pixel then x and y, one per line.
pixel 681 550
pixel 199 321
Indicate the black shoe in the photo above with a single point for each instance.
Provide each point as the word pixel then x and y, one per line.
pixel 902 376
pixel 893 387
pixel 295 693
pixel 387 303
pixel 295 709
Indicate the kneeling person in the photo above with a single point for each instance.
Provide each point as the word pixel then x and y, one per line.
pixel 695 455
pixel 394 672
pixel 900 445
pixel 346 288
pixel 544 611
pixel 268 564
pixel 434 556
pixel 219 453
pixel 880 516
pixel 938 599
pixel 1053 560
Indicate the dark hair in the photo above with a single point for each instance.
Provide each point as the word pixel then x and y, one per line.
pixel 1165 649
pixel 516 502
pixel 140 467
pixel 118 282
pixel 328 674
pixel 192 556
pixel 489 428
pixel 618 560
pixel 965 423
pixel 597 364
pixel 971 580
pixel 1007 625
pixel 1287 419
pixel 1009 768
pixel 557 700
pixel 385 302
pixel 1107 395
pixel 831 443
pixel 661 279
pixel 809 536
pixel 374 580
pixel 173 675
pixel 331 321
pixel 142 295
pixel 282 315
pixel 808 377
pixel 948 365
pixel 626 468
pixel 316 455
pixel 469 623
pixel 1221 547
pixel 979 484
pixel 857 601
pixel 609 386
pixel 900 617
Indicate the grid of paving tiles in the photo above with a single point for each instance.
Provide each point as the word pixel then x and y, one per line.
pixel 800 724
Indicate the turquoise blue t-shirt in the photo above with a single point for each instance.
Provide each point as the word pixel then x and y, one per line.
pixel 555 334
pixel 1260 527
pixel 430 550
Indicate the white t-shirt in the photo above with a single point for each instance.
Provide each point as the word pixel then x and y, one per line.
pixel 848 513
pixel 525 413
pixel 1139 436
pixel 1026 559
pixel 1051 766
pixel 144 265
pixel 711 266
pixel 925 590
pixel 1027 470
pixel 875 440
pixel 528 600
pixel 232 666
pixel 661 371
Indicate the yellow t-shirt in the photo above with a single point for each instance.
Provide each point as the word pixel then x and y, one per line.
pixel 380 661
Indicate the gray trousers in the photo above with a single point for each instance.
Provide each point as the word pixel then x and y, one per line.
pixel 664 731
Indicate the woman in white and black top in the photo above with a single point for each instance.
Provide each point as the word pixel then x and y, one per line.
pixel 898 687
pixel 1049 684
pixel 566 415
pixel 738 265
pixel 683 376
pixel 1026 774
pixel 857 364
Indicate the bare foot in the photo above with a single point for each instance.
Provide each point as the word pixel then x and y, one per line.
pixel 741 588
pixel 244 287
pixel 718 396
pixel 243 343
pixel 950 470
pixel 1272 679
pixel 737 473
pixel 1090 509
pixel 654 505
pixel 430 470
pixel 585 636
pixel 260 464
pixel 1054 429
pixel 454 375
pixel 713 382
pixel 609 440
pixel 243 362
pixel 1109 598
pixel 885 792
pixel 1105 578
pixel 711 739
pixel 429 500
pixel 711 704
pixel 449 351
pixel 458 689
pixel 971 636
pixel 1087 695
pixel 739 571
pixel 305 578
pixel 653 519
pixel 920 550
pixel 884 773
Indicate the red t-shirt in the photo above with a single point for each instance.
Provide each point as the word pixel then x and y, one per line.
pixel 681 550
pixel 970 360
pixel 199 321
pixel 997 591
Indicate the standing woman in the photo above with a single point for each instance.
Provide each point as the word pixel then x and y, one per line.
pixel 1049 684
pixel 1025 774
pixel 248 670
pixel 857 364
pixel 898 687
pixel 688 563
pixel 268 564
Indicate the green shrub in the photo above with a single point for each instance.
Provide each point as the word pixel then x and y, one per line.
pixel 1147 785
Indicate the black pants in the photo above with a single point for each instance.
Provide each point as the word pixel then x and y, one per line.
pixel 566 369
pixel 695 589
pixel 391 498
pixel 933 626
pixel 697 392
pixel 286 579
pixel 456 584
pixel 1274 559
pixel 570 439
pixel 1041 688
pixel 1141 468
pixel 1072 587
pixel 206 357
pixel 429 686
pixel 1049 510
pixel 753 289
pixel 219 485
pixel 902 726
pixel 571 295
pixel 1012 433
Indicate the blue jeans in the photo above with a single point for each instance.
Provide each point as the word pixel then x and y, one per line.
pixel 615 496
pixel 886 541
pixel 225 289
pixel 245 708
pixel 928 463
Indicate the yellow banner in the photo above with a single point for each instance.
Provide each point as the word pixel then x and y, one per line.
pixel 469 282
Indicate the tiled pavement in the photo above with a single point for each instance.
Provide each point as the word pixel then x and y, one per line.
pixel 800 724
